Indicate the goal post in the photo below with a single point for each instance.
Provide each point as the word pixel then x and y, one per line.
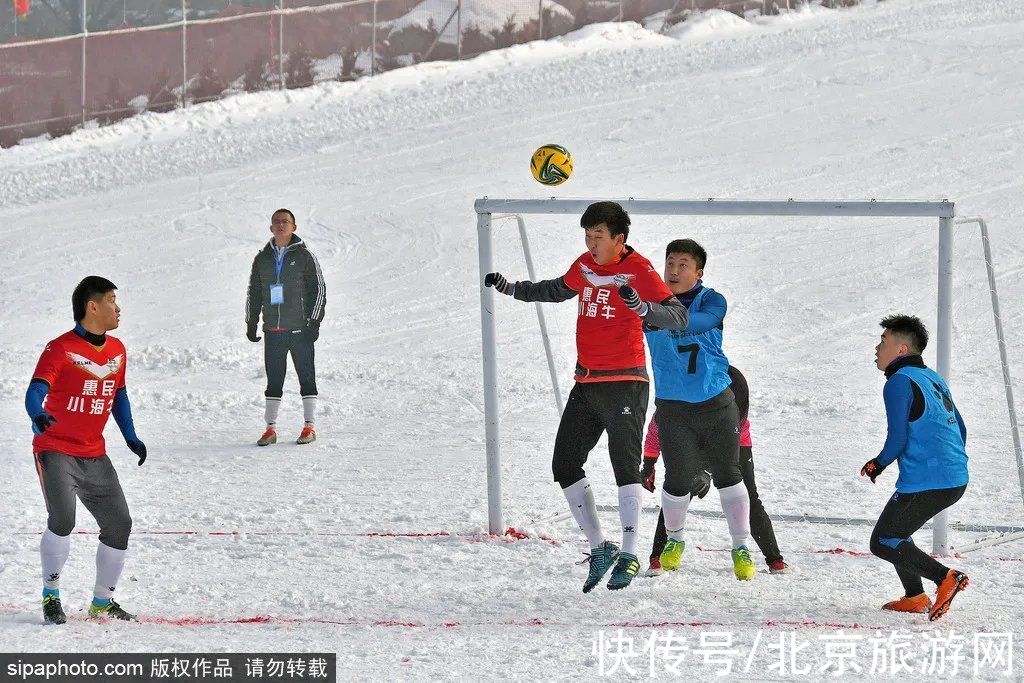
pixel 486 209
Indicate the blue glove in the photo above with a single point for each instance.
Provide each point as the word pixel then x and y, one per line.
pixel 139 449
pixel 42 422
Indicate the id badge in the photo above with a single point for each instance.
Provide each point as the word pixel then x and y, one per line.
pixel 277 294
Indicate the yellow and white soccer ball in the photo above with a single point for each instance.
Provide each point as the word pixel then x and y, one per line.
pixel 551 165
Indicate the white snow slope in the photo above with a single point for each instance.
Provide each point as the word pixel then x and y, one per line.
pixel 910 100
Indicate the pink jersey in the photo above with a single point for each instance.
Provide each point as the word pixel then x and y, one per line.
pixel 652 445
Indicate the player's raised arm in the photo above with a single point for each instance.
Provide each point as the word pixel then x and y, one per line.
pixel 547 291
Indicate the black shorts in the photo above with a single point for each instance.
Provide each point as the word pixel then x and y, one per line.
pixel 619 408
pixel 93 480
pixel 693 435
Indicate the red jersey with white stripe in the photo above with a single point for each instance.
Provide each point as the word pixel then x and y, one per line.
pixel 609 336
pixel 83 380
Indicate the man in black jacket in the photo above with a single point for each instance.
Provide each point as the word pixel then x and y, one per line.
pixel 287 286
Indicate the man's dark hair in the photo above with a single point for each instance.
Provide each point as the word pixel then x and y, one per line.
pixel 690 247
pixel 611 214
pixel 290 214
pixel 910 328
pixel 92 288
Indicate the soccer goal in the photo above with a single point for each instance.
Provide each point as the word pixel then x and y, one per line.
pixel 488 210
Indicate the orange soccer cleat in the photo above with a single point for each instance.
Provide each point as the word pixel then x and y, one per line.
pixel 308 435
pixel 915 604
pixel 951 585
pixel 269 437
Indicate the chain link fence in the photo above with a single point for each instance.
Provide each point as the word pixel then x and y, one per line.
pixel 73 63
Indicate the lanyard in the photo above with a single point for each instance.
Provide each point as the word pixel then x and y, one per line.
pixel 279 260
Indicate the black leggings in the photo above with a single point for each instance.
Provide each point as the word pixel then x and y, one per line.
pixel 275 358
pixel 891 539
pixel 760 523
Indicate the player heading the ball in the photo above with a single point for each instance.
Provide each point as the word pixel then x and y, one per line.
pixel 617 290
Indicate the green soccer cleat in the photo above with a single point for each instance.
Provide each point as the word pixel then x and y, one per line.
pixel 53 613
pixel 742 565
pixel 672 555
pixel 626 567
pixel 111 610
pixel 600 559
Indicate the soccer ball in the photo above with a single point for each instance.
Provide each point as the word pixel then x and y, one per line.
pixel 551 165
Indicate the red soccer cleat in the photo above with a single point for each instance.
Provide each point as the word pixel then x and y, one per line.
pixel 269 437
pixel 308 435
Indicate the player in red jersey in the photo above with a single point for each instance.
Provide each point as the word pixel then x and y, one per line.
pixel 617 290
pixel 77 384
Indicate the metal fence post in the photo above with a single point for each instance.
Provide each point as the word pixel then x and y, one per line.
pixel 620 11
pixel 85 36
pixel 184 50
pixel 458 29
pixel 280 45
pixel 373 41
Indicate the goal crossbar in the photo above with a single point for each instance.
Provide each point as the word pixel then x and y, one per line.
pixel 725 207
pixel 486 207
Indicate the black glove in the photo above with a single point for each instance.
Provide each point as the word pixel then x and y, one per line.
pixel 312 330
pixel 139 449
pixel 632 300
pixel 498 281
pixel 647 473
pixel 872 468
pixel 251 334
pixel 701 484
pixel 42 422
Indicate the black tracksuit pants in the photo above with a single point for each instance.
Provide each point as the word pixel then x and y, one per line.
pixel 891 539
pixel 276 347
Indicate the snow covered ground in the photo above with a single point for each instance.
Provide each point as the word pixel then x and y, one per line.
pixel 371 542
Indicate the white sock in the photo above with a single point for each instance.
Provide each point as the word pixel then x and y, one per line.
pixel 270 414
pixel 736 506
pixel 53 551
pixel 109 563
pixel 308 408
pixel 674 509
pixel 584 510
pixel 629 515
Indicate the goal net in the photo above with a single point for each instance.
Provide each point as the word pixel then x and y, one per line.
pixel 807 283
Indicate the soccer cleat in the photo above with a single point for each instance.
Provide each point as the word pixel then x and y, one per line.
pixel 53 613
pixel 779 567
pixel 600 559
pixel 742 565
pixel 308 435
pixel 951 585
pixel 914 604
pixel 269 437
pixel 672 555
pixel 626 567
pixel 654 569
pixel 111 610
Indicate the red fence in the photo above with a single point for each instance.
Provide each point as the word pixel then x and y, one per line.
pixel 54 85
